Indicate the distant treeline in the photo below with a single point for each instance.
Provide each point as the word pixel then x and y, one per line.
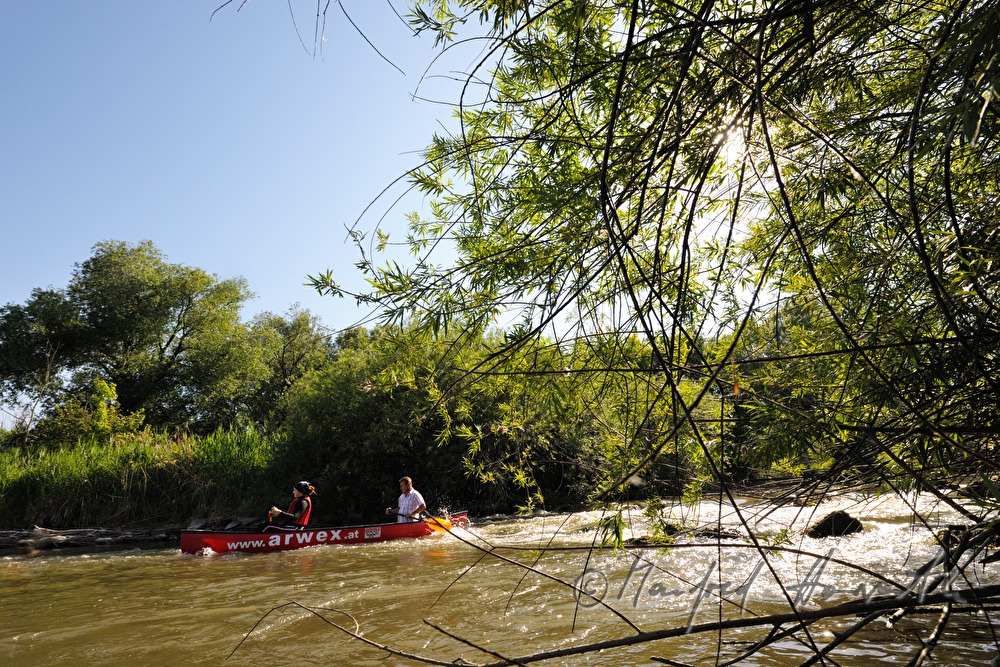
pixel 140 397
pixel 378 405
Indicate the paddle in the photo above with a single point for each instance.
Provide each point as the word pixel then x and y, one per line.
pixel 434 523
pixel 440 525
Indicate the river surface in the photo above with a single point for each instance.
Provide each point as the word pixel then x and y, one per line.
pixel 158 607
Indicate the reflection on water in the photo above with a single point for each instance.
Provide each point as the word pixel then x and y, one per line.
pixel 162 608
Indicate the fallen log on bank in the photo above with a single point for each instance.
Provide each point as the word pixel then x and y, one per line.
pixel 42 539
pixel 37 538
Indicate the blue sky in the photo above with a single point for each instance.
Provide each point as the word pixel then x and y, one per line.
pixel 224 142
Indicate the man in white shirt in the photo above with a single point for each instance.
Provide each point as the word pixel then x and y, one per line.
pixel 410 503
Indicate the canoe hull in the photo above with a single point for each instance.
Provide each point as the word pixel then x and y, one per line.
pixel 193 541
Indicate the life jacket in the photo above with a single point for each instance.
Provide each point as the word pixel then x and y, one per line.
pixel 303 519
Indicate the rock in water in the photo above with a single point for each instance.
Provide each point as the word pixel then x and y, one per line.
pixel 836 524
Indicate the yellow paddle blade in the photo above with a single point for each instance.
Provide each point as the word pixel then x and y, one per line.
pixel 440 525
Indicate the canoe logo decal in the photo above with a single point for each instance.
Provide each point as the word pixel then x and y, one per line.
pixel 373 532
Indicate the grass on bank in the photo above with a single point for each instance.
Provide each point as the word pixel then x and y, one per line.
pixel 142 478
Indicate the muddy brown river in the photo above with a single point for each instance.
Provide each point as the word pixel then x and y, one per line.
pixel 435 596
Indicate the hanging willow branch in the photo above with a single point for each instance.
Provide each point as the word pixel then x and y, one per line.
pixel 787 210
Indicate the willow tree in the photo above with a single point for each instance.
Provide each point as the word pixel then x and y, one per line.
pixel 690 172
pixel 812 185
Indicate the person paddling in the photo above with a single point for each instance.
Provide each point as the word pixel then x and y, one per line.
pixel 296 517
pixel 410 503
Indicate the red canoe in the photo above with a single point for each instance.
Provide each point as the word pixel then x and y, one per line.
pixel 193 541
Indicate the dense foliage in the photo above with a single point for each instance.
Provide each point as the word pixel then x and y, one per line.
pixel 380 405
pixel 352 413
pixel 793 200
pixel 791 205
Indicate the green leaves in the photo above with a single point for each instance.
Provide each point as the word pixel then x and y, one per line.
pixel 805 193
pixel 169 337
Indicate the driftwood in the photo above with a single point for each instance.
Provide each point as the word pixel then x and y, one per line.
pixel 671 530
pixel 43 539
pixel 40 539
